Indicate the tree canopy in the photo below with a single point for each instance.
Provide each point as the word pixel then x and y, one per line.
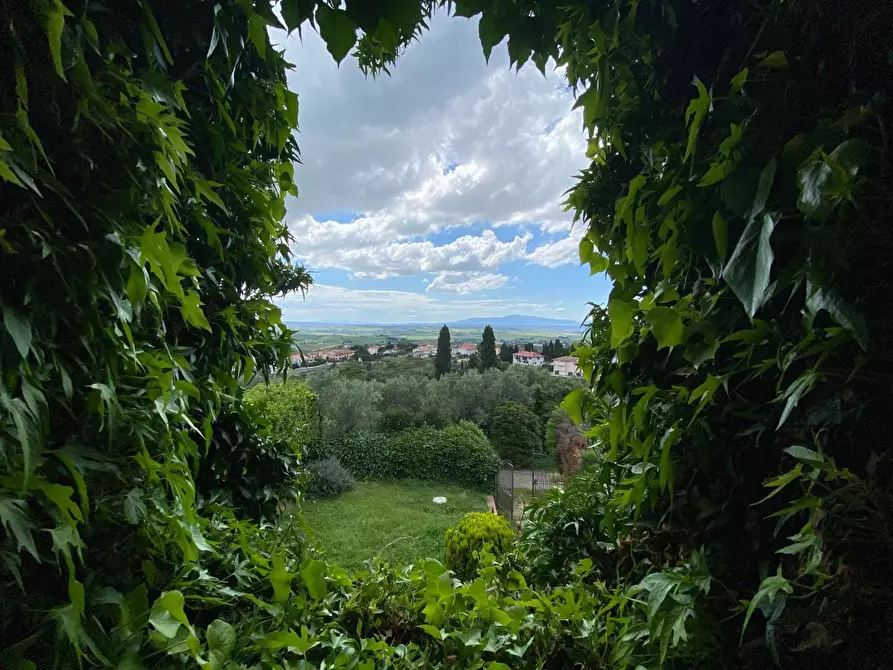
pixel 443 357
pixel 487 349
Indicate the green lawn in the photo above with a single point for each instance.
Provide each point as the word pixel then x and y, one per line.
pixel 395 521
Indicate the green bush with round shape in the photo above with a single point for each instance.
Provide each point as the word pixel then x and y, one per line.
pixel 286 412
pixel 327 478
pixel 474 532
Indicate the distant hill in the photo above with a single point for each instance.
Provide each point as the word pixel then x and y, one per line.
pixel 518 321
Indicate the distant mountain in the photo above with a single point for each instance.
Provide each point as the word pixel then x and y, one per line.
pixel 518 321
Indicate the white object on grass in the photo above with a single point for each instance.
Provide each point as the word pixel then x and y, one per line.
pixel 439 500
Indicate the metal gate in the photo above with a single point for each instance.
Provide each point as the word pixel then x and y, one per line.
pixel 504 494
pixel 543 482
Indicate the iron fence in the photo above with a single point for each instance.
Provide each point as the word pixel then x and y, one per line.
pixel 542 482
pixel 504 495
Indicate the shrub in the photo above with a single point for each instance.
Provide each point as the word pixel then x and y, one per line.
pixel 286 412
pixel 459 454
pixel 366 454
pixel 475 532
pixel 516 433
pixel 327 478
pixel 591 459
pixel 395 419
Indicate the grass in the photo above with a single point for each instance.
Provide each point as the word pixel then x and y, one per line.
pixel 395 521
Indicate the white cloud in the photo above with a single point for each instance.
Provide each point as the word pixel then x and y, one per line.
pixel 466 282
pixel 561 252
pixel 336 303
pixel 445 141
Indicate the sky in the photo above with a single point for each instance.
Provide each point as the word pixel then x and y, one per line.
pixel 435 194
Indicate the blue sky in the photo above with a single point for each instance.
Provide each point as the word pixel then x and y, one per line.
pixel 435 194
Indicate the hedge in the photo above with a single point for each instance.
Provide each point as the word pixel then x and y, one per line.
pixel 459 454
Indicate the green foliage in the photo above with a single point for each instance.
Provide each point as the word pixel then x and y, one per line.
pixel 326 478
pixel 443 357
pixel 476 533
pixel 516 433
pixel 487 349
pixel 286 412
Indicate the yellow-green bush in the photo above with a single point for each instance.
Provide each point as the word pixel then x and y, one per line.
pixel 475 531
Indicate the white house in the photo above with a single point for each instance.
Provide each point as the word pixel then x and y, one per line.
pixel 422 351
pixel 464 350
pixel 566 366
pixel 341 354
pixel 528 358
pixel 373 349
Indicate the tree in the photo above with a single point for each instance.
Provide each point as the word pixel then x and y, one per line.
pixel 505 353
pixel 487 349
pixel 516 433
pixel 444 355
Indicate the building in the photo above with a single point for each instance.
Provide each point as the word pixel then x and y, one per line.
pixel 296 359
pixel 566 366
pixel 464 350
pixel 373 348
pixel 341 354
pixel 528 358
pixel 422 351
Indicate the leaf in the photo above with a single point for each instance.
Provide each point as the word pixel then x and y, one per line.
pixel 739 80
pixel 433 631
pixel 280 578
pixel 7 174
pixel 694 116
pixel 764 186
pixel 314 575
pixel 802 385
pixel 489 34
pixel 19 329
pixel 257 33
pixel 167 614
pixel 221 638
pixel 54 22
pixel 15 519
pixel 337 30
pixel 190 308
pixel 288 639
pixel 748 270
pixel 666 324
pixel 805 454
pixel 586 250
pixel 668 195
pixel 823 298
pixel 721 236
pixel 666 463
pixel 573 405
pixel 621 314
pixel 775 61
pixel 295 12
pixel 769 588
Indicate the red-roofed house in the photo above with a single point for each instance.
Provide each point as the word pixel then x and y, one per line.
pixel 464 350
pixel 566 366
pixel 528 358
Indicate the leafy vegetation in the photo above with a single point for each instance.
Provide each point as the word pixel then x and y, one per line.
pixel 737 197
pixel 326 478
pixel 459 454
pixel 516 433
pixel 395 522
pixel 487 349
pixel 476 533
pixel 443 357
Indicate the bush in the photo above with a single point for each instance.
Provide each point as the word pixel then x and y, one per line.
pixel 475 532
pixel 395 419
pixel 516 433
pixel 591 459
pixel 460 454
pixel 286 412
pixel 327 478
pixel 366 454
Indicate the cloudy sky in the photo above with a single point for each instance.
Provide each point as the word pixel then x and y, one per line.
pixel 435 194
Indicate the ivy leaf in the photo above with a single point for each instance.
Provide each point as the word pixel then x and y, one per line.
pixel 19 329
pixel 572 405
pixel 54 22
pixel 18 525
pixel 769 588
pixel 221 640
pixel 694 116
pixel 587 249
pixel 280 578
pixel 747 272
pixel 257 33
pixel 338 31
pixel 621 314
pixel 666 324
pixel 191 310
pixel 764 186
pixel 314 575
pixel 167 614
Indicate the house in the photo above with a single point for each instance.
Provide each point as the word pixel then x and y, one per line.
pixel 464 350
pixel 528 358
pixel 373 348
pixel 296 359
pixel 341 354
pixel 422 351
pixel 566 366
